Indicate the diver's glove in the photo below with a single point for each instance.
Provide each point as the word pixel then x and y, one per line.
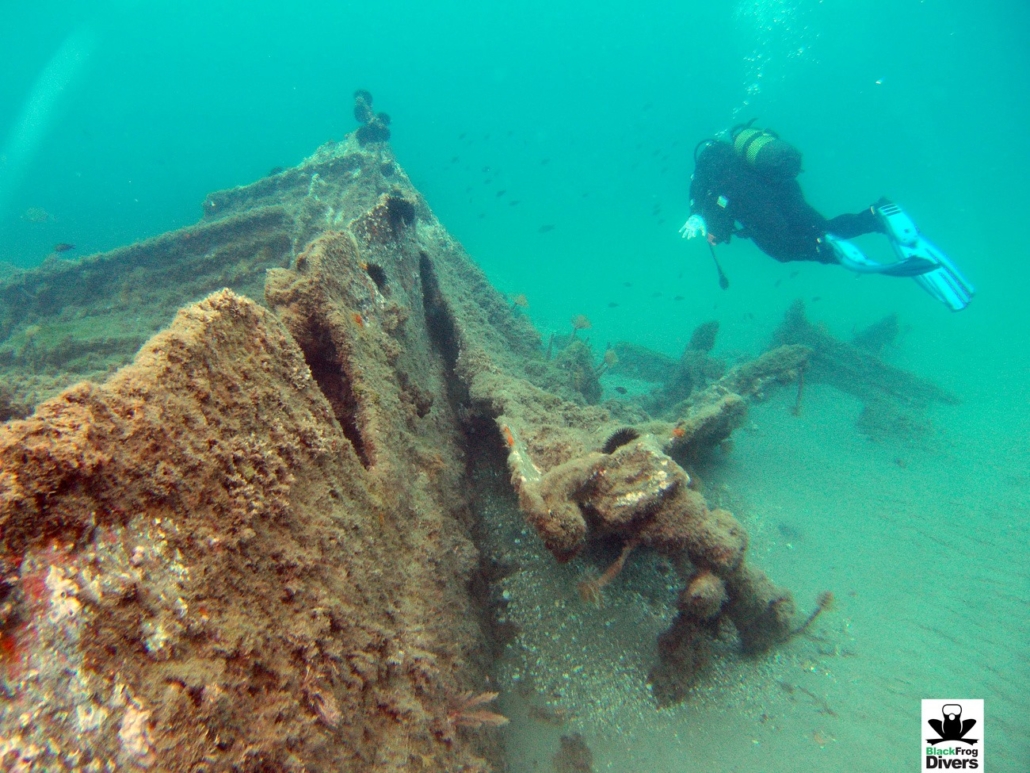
pixel 695 225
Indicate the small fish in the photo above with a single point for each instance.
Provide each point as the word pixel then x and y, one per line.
pixel 627 284
pixel 678 298
pixel 545 228
pixel 482 215
pixel 793 274
pixel 777 283
pixel 455 159
pixel 612 305
pixel 486 169
pixel 63 247
pixel 501 192
pixel 656 295
pixel 621 390
pixel 816 298
pixel 461 136
pixel 274 171
pixel 513 202
pixel 545 161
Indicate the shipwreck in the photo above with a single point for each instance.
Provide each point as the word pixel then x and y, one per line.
pixel 238 527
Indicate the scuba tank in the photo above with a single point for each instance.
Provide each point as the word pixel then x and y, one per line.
pixel 766 153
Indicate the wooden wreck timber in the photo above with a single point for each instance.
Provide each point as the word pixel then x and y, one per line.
pixel 250 548
pixel 895 402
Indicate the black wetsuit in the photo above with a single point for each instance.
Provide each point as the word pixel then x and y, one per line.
pixel 725 191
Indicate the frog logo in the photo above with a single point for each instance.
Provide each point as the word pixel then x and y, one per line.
pixel 953 727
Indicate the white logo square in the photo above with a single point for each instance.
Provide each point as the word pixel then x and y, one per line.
pixel 952 734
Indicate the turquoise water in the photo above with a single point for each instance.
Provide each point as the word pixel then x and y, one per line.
pixel 117 118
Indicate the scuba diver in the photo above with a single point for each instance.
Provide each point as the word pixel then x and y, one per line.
pixel 748 187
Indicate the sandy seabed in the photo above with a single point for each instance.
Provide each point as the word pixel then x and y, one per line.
pixel 924 549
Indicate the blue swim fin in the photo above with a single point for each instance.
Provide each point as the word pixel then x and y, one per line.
pixel 853 259
pixel 943 281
